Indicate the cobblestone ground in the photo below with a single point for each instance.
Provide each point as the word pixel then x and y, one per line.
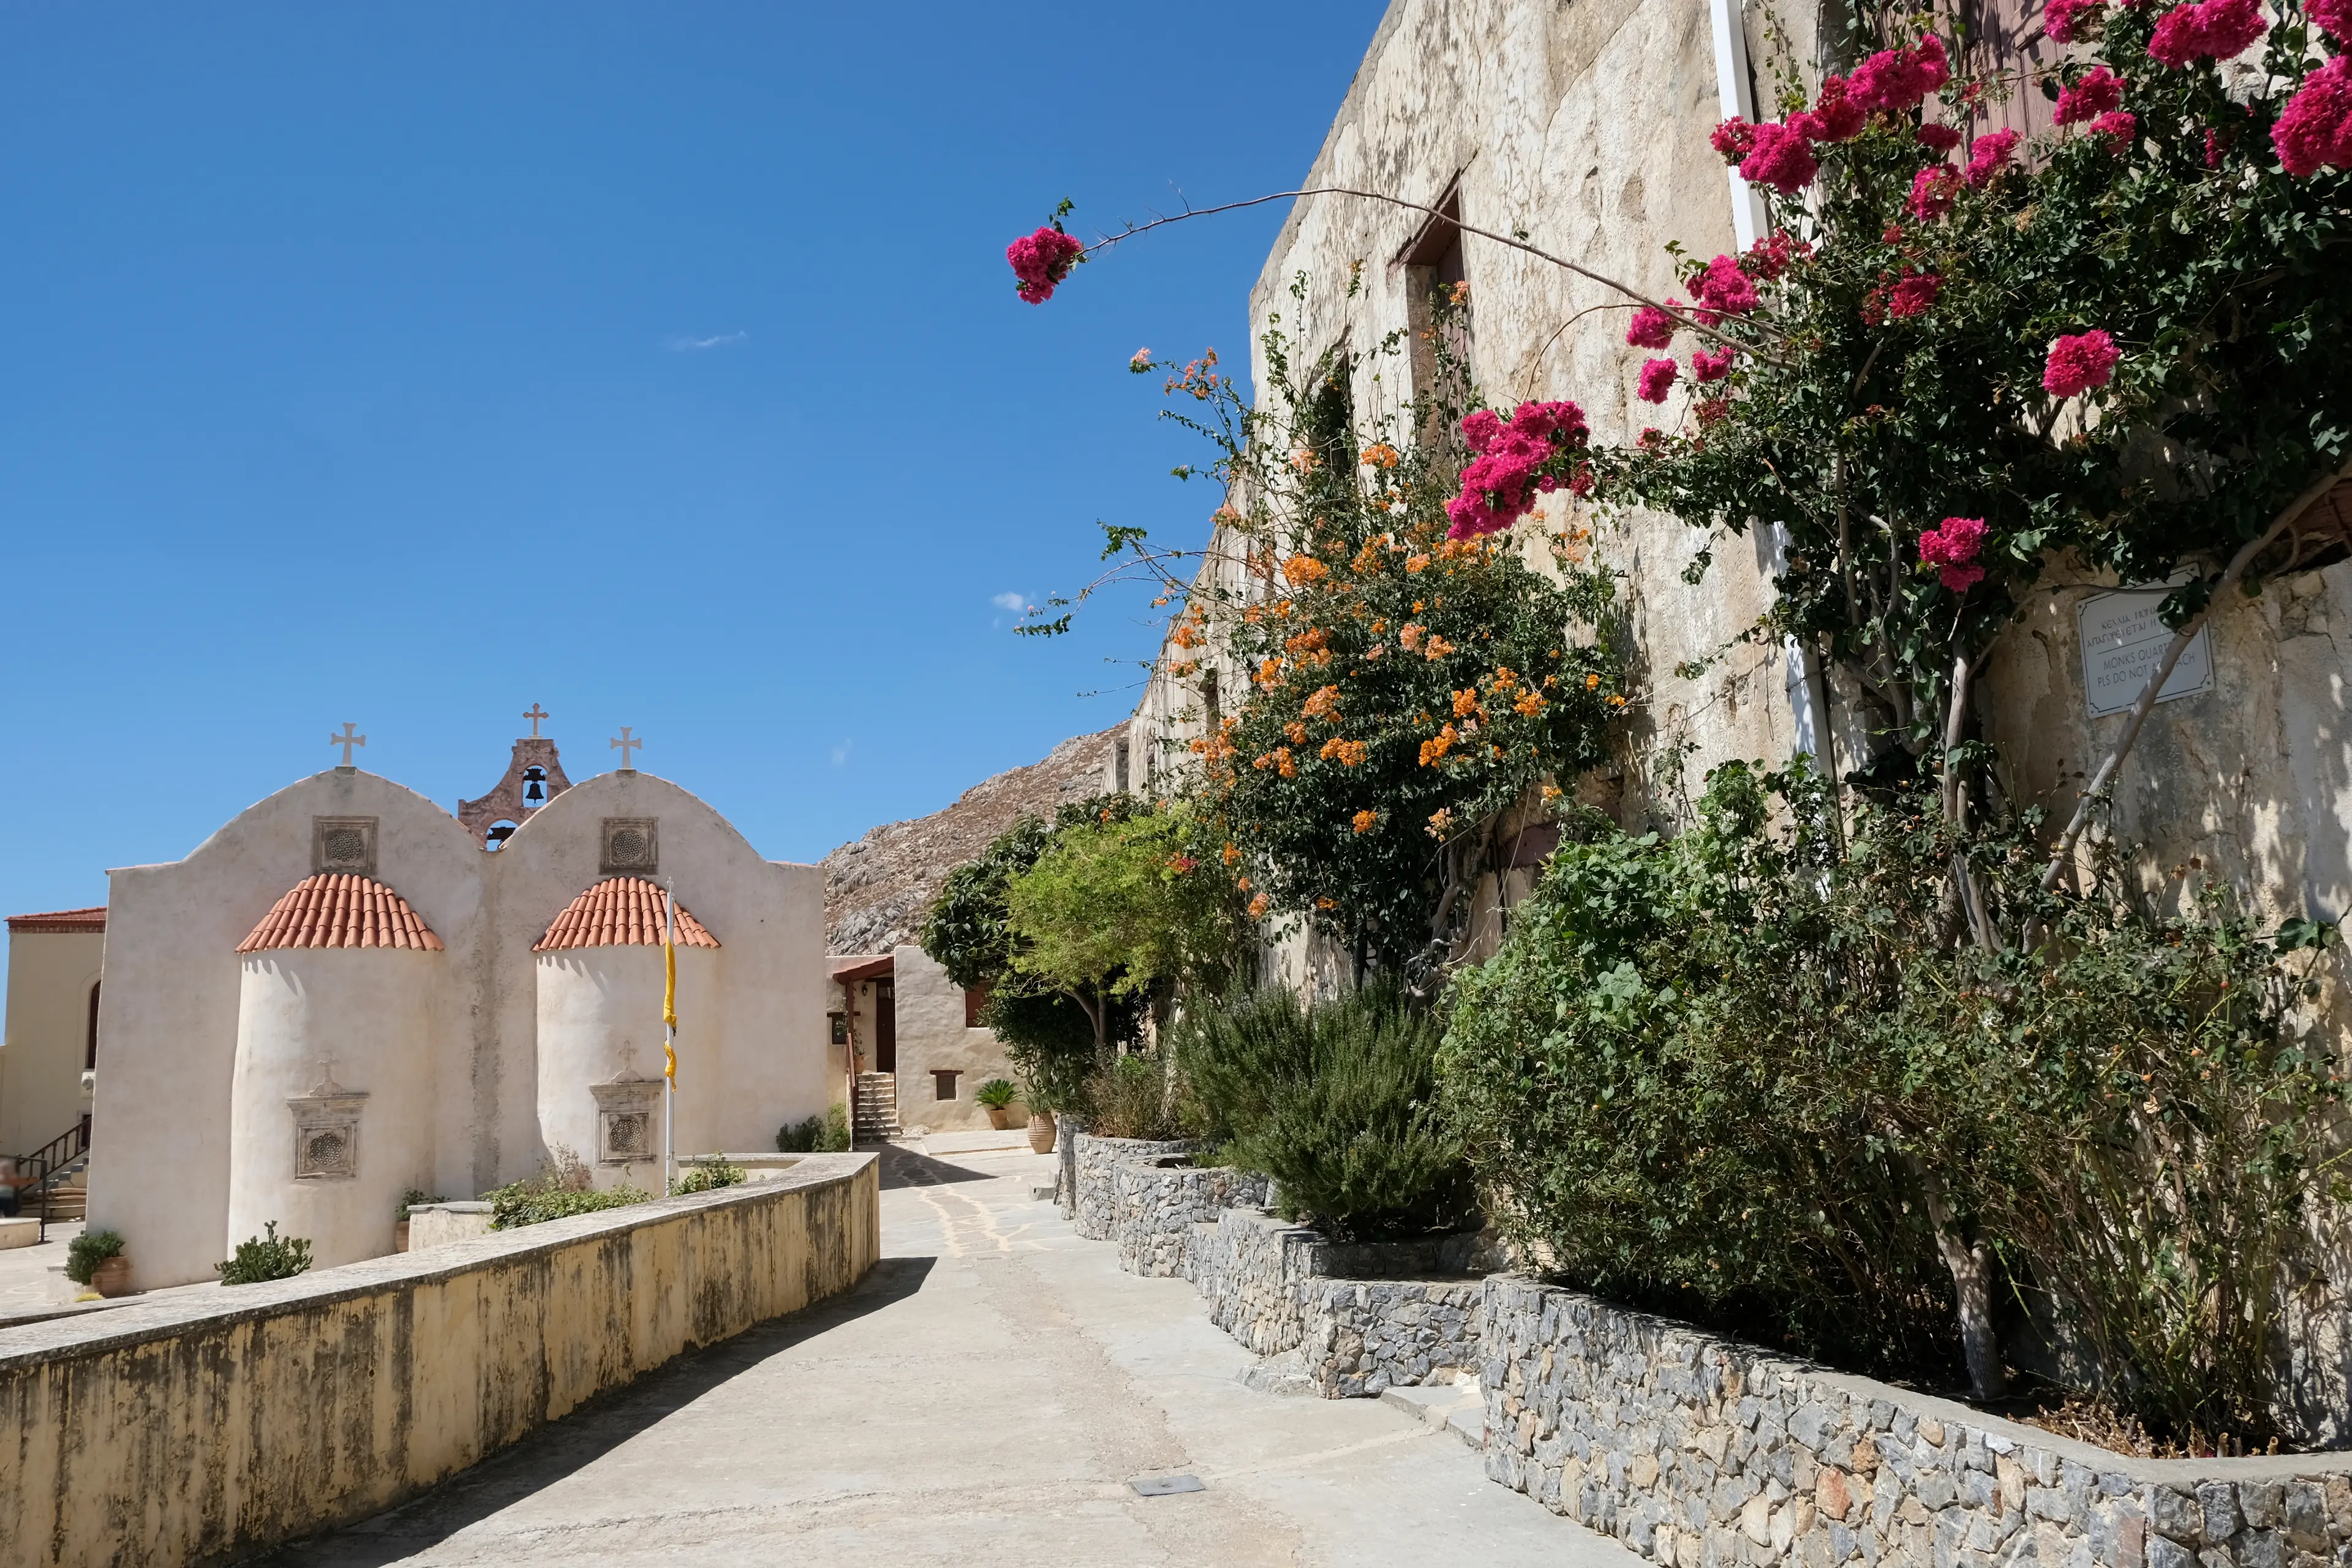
pixel 985 1397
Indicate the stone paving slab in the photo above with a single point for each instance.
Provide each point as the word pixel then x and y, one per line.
pixel 984 1398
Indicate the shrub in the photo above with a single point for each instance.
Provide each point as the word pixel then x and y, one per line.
pixel 707 1175
pixel 1130 1097
pixel 85 1252
pixel 1334 1103
pixel 558 1192
pixel 997 1092
pixel 413 1196
pixel 836 1138
pixel 266 1257
pixel 1746 1076
pixel 800 1137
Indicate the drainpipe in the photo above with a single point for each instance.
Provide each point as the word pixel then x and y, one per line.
pixel 1808 699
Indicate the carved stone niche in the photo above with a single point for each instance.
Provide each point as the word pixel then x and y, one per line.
pixel 628 1120
pixel 327 1132
pixel 629 846
pixel 343 844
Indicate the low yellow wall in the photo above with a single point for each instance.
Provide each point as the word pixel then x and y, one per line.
pixel 211 1425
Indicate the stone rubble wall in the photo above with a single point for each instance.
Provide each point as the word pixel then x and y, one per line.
pixel 1091 1203
pixel 1694 1449
pixel 1154 1209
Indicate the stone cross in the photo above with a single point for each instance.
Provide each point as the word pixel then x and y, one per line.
pixel 347 741
pixel 327 1074
pixel 534 716
pixel 627 745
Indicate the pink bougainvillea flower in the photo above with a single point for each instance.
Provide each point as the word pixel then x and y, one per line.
pixel 1769 256
pixel 1657 379
pixel 1507 475
pixel 1651 329
pixel 2205 30
pixel 2063 19
pixel 2333 17
pixel 1834 117
pixel 1896 80
pixel 1733 139
pixel 1041 261
pixel 1912 295
pixel 2079 362
pixel 2098 91
pixel 1954 546
pixel 1937 138
pixel 1705 366
pixel 1779 158
pixel 1723 289
pixel 1990 156
pixel 2119 127
pixel 1933 190
pixel 2215 145
pixel 1139 362
pixel 2316 128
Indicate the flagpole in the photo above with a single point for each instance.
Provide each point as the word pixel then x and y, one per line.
pixel 669 1038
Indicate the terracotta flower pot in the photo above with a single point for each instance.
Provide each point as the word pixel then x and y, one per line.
pixel 999 1117
pixel 112 1277
pixel 400 1229
pixel 1041 1134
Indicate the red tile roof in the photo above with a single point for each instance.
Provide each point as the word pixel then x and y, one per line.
pixel 848 968
pixel 340 910
pixel 621 911
pixel 61 920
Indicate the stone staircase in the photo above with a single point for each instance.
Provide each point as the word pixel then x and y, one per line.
pixel 66 1198
pixel 876 1118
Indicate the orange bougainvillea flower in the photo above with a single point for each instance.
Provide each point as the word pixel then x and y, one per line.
pixel 1415 563
pixel 1380 455
pixel 1465 702
pixel 1187 634
pixel 1301 570
pixel 1616 701
pixel 1348 753
pixel 1323 704
pixel 1268 673
pixel 1366 821
pixel 1529 705
pixel 1283 764
pixel 1433 749
pixel 1440 822
pixel 1233 852
pixel 1243 883
pixel 1437 648
pixel 1258 907
pixel 1590 682
pixel 1411 638
pixel 1326 903
pixel 1297 731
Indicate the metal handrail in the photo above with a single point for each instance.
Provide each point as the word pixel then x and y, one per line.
pixel 50 1160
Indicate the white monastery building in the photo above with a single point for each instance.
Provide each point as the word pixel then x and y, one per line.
pixel 347 993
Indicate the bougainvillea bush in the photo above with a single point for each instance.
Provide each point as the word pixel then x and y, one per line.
pixel 1959 364
pixel 1388 692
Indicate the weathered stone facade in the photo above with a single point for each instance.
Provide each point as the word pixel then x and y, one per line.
pixel 1695 1450
pixel 1087 1197
pixel 1155 1206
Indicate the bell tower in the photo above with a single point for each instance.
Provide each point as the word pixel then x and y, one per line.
pixel 534 776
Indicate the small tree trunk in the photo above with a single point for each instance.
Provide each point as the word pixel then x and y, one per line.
pixel 1971 1269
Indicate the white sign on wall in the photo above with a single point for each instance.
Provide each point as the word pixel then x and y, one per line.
pixel 2122 638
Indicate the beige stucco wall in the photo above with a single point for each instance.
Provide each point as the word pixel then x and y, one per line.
pixel 751 1050
pixel 214 1424
pixel 932 1038
pixel 49 977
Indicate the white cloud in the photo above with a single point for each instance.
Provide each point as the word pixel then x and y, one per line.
pixel 841 754
pixel 1008 603
pixel 689 345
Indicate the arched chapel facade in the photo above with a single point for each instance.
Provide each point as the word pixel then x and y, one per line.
pixel 346 994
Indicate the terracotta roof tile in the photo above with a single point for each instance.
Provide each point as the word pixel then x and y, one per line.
pixel 339 910
pixel 59 920
pixel 621 911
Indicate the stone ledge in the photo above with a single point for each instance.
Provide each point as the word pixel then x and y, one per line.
pixel 1693 1448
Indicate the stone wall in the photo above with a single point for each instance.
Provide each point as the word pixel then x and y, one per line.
pixel 216 1423
pixel 1154 1209
pixel 1089 1201
pixel 1692 1450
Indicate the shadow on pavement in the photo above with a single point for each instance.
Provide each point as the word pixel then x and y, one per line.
pixel 905 1168
pixel 602 1424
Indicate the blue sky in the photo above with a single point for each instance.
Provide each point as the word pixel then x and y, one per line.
pixel 658 364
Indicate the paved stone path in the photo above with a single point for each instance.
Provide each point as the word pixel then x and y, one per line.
pixel 984 1398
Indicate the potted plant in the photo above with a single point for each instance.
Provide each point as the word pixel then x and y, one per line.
pixel 95 1259
pixel 1041 1121
pixel 998 1095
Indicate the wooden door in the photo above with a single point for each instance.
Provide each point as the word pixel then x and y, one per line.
pixel 886 1027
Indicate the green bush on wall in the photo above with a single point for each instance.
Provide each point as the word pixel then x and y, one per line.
pixel 266 1257
pixel 85 1252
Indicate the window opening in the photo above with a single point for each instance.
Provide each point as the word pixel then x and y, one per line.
pixel 943 1082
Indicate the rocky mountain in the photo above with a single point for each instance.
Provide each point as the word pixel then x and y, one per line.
pixel 877 888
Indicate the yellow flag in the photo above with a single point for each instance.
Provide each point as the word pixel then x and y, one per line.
pixel 669 994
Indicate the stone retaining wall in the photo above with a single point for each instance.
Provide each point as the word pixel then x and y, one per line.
pixel 1090 1201
pixel 213 1425
pixel 1154 1209
pixel 1695 1449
